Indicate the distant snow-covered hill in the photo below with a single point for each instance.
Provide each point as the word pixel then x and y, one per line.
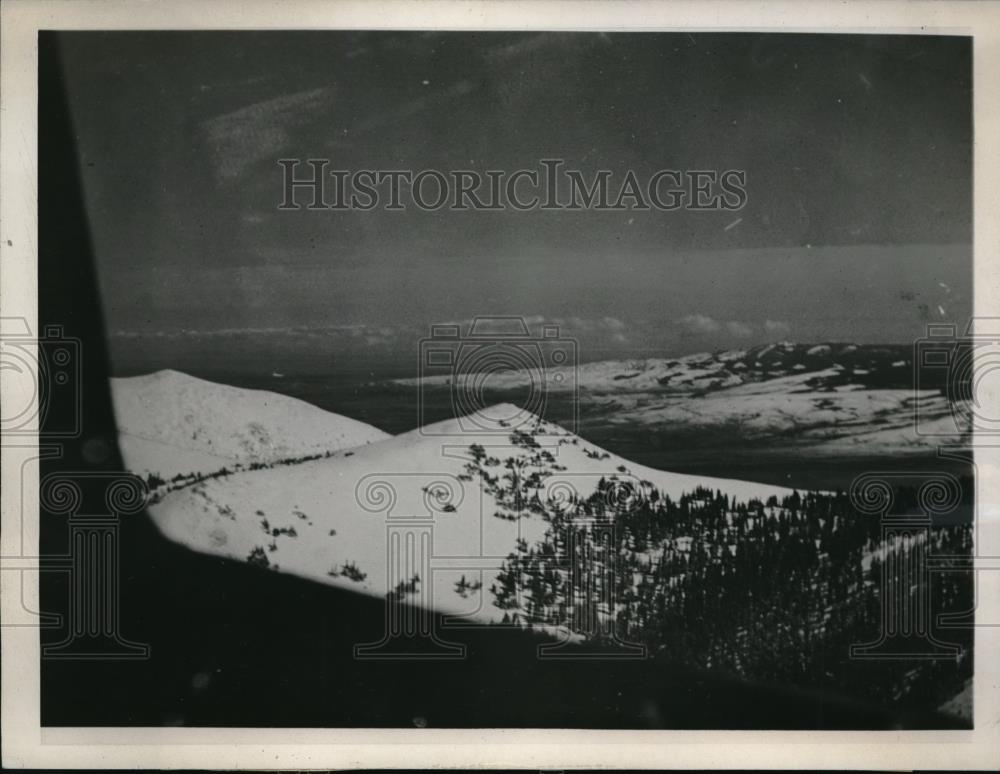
pixel 804 411
pixel 872 366
pixel 821 399
pixel 170 423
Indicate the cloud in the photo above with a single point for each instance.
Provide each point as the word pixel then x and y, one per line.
pixel 257 132
pixel 702 325
pixel 738 329
pixel 352 335
pixel 570 326
pixel 699 324
pixel 779 327
pixel 370 333
pixel 436 100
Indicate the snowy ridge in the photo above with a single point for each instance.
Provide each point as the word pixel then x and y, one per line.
pixel 501 498
pixel 171 423
pixel 327 518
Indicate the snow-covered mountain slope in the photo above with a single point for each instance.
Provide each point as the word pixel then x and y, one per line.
pixel 789 411
pixel 825 365
pixel 170 423
pixel 332 519
pixel 822 399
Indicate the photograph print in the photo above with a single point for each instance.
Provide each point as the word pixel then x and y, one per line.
pixel 496 379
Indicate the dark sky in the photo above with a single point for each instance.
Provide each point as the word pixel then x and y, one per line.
pixel 857 151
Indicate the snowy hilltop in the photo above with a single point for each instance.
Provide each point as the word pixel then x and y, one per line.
pixel 170 423
pixel 251 475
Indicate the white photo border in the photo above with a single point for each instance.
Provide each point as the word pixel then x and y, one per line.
pixel 27 744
